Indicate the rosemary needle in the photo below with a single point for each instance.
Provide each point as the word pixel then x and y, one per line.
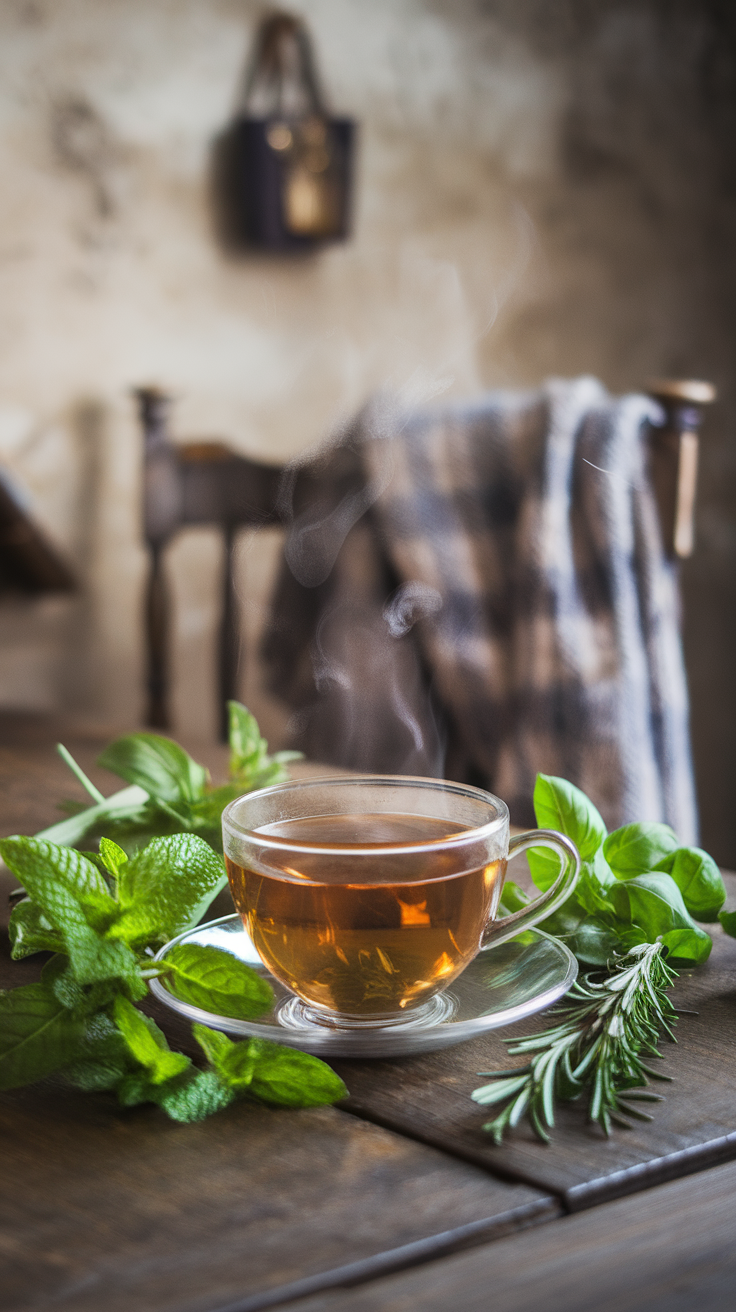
pixel 603 1032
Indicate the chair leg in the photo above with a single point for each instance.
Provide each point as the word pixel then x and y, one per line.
pixel 157 630
pixel 229 634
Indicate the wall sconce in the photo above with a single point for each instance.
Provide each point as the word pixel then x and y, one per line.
pixel 283 169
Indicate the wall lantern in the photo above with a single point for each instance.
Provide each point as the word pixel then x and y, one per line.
pixel 284 166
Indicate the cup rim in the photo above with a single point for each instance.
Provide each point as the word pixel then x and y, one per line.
pixel 479 832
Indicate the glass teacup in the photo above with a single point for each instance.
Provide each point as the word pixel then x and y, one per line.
pixel 367 895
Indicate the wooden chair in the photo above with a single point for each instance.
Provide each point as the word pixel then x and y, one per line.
pixel 204 482
pixel 195 483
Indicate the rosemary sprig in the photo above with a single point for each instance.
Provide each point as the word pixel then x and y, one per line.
pixel 607 1027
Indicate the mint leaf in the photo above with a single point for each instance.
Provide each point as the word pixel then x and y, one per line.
pixel 158 765
pixel 103 1058
pixel 147 1043
pixel 289 1078
pixel 166 888
pixel 248 750
pixel 74 898
pixel 560 805
pixel 653 903
pixel 270 1072
pixel 125 806
pixel 37 1035
pixel 194 1096
pixel 216 981
pixel 250 764
pixel 699 880
pixel 112 856
pixel 30 931
pixel 637 848
pixel 51 874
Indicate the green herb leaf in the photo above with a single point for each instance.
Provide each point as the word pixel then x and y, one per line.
pixel 513 898
pixel 270 1072
pixel 166 888
pixel 49 873
pixel 30 931
pixel 37 1035
pixel 103 1058
pixel 637 848
pixel 74 898
pixel 112 856
pixel 147 1043
pixel 289 1078
pixel 250 764
pixel 217 981
pixel 728 921
pixel 654 904
pixel 125 806
pixel 699 880
pixel 194 1096
pixel 158 765
pixel 560 805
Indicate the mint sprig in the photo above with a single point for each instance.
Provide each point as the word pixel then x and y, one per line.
pixel 102 915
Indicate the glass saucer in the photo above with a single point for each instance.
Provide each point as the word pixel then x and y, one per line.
pixel 502 985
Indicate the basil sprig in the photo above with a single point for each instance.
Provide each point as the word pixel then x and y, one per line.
pixel 636 885
pixel 102 916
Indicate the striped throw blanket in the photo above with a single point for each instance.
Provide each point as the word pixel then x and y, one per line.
pixel 481 592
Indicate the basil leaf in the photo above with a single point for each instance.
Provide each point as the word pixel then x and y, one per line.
pixel 513 898
pixel 560 805
pixel 637 848
pixel 595 882
pixel 37 1035
pixel 158 765
pixel 147 1043
pixel 728 921
pixel 653 903
pixel 699 880
pixel 216 981
pixel 166 888
pixel 595 942
pixel 30 931
pixel 544 866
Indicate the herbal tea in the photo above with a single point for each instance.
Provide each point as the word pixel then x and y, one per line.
pixel 374 947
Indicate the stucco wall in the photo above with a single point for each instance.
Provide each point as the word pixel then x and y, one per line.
pixel 542 189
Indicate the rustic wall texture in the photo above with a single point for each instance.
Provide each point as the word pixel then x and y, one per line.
pixel 543 188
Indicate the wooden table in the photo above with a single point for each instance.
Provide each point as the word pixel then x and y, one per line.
pixel 392 1202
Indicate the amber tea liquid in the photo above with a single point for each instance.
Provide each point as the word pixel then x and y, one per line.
pixel 372 948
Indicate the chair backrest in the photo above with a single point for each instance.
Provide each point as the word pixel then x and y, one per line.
pixel 204 482
pixel 189 483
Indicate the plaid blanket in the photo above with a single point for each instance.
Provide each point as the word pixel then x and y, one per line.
pixel 481 592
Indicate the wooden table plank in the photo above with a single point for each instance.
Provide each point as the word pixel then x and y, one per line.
pixel 429 1097
pixel 669 1250
pixel 101 1207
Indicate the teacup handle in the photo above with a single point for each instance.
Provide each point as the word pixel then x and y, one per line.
pixel 499 931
